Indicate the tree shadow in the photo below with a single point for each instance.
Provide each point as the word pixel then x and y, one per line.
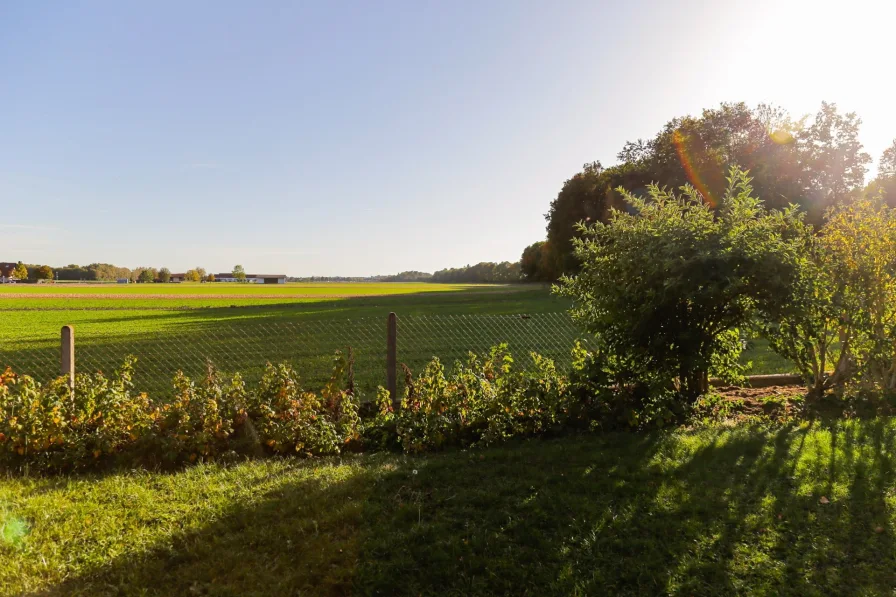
pixel 300 538
pixel 741 514
pixel 306 334
pixel 714 512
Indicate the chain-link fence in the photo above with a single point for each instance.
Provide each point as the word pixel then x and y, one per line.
pixel 245 346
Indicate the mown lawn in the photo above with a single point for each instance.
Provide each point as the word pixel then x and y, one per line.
pixel 805 510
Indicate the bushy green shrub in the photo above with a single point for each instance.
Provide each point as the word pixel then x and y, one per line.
pixel 104 420
pixel 484 400
pixel 667 288
pixel 292 420
pixel 53 426
pixel 201 418
pixel 840 322
pixel 861 239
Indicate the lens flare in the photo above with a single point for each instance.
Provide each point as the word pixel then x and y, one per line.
pixel 781 137
pixel 680 140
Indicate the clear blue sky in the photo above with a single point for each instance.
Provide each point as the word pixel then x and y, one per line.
pixel 335 138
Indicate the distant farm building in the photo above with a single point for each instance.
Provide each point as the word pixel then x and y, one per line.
pixel 250 278
pixel 6 272
pixel 253 278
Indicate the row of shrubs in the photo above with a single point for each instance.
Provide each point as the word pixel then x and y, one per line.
pixel 104 420
pixel 671 287
pixel 482 400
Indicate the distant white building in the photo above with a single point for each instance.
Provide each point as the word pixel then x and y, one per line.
pixel 253 278
pixel 250 278
pixel 6 272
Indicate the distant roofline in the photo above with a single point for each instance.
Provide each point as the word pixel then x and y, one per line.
pixel 230 275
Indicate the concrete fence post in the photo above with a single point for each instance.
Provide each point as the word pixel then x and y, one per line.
pixel 67 360
pixel 392 358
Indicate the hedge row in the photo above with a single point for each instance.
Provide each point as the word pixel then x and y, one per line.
pixel 482 400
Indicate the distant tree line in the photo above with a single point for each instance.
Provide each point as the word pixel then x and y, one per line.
pixel 485 272
pixel 409 276
pixel 106 272
pixel 814 162
pixel 95 272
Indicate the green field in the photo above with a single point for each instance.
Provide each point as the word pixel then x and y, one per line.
pixel 242 326
pixel 805 510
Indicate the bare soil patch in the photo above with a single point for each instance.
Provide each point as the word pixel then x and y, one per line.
pixel 747 394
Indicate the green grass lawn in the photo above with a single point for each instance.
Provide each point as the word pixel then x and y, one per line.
pixel 304 325
pixel 242 333
pixel 293 288
pixel 803 510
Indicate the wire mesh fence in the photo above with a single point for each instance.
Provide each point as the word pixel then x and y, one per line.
pixel 245 346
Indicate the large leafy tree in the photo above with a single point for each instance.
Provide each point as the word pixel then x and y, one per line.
pixel 538 263
pixel 813 165
pixel 667 286
pixel 832 163
pixel 20 271
pixel 239 273
pixel 885 183
pixel 164 275
pixel 887 166
pixel 582 199
pixel 44 272
pixel 486 272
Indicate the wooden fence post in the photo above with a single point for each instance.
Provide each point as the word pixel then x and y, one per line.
pixel 67 360
pixel 392 358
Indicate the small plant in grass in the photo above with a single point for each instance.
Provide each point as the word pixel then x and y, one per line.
pixel 292 420
pixel 533 402
pixel 109 416
pixel 437 412
pixel 202 416
pixel 481 400
pixel 52 426
pixel 33 420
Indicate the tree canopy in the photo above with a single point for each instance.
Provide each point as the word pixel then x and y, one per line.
pixel 485 272
pixel 44 272
pixel 884 185
pixel 146 276
pixel 20 271
pixel 811 163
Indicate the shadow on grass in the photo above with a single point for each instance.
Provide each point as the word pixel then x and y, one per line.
pixel 244 338
pixel 298 538
pixel 739 513
pixel 703 513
